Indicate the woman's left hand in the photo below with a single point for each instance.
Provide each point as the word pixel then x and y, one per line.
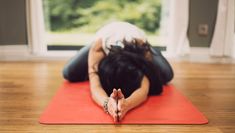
pixel 123 107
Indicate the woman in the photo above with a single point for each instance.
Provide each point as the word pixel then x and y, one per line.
pixel 122 67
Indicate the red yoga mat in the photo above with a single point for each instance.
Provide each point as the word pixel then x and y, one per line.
pixel 73 105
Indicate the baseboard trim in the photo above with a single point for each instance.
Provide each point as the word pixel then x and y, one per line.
pixel 22 53
pixel 8 52
pixel 202 55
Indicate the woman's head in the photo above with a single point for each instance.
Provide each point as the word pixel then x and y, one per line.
pixel 124 69
pixel 120 70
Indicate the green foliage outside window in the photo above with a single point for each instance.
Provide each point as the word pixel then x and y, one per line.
pixel 89 15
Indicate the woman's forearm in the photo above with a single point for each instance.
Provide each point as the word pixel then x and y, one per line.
pixel 97 92
pixel 135 99
pixel 138 96
pixel 95 55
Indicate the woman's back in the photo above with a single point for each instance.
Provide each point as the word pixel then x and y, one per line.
pixel 116 32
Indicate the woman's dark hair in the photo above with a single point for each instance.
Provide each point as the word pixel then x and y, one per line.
pixel 125 68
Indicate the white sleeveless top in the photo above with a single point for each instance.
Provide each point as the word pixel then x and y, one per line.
pixel 115 32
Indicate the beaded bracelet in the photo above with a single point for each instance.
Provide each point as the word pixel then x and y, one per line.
pixel 105 105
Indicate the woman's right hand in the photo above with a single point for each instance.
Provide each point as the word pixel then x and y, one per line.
pixel 112 105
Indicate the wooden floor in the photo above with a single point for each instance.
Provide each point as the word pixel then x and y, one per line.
pixel 27 87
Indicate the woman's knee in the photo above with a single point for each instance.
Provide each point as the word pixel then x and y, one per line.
pixel 75 76
pixel 76 69
pixel 169 74
pixel 164 67
pixel 68 75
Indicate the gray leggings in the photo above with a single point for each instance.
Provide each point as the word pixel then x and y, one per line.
pixel 76 69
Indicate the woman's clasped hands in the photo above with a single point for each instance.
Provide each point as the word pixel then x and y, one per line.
pixel 117 105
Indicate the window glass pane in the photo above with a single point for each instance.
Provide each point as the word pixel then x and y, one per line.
pixel 74 22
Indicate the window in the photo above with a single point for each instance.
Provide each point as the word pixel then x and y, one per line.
pixel 71 24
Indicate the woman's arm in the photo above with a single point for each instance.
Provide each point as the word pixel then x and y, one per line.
pixel 99 95
pixel 140 95
pixel 135 99
pixel 95 55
